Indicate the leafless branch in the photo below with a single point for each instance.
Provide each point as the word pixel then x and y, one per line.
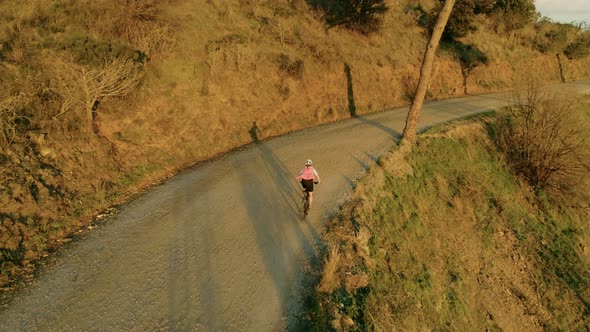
pixel 81 87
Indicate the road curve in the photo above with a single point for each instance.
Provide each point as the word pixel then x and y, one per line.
pixel 219 247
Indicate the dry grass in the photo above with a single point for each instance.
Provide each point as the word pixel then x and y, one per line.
pixel 211 68
pixel 330 281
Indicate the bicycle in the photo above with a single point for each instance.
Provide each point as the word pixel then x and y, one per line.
pixel 305 202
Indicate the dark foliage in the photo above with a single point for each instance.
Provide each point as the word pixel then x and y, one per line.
pixel 461 20
pixel 484 6
pixel 516 13
pixel 422 16
pixel 579 48
pixel 469 57
pixel 359 15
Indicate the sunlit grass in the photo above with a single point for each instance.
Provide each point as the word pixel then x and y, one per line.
pixel 448 239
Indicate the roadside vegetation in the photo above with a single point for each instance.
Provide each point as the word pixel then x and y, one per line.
pixel 100 99
pixel 483 225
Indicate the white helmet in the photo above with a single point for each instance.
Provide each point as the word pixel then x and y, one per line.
pixel 308 162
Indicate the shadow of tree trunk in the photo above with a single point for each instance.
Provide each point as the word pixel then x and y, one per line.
pixel 561 75
pixel 351 104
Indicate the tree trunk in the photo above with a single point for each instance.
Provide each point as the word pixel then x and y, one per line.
pixel 560 68
pixel 409 135
pixel 89 119
pixel 351 104
pixel 465 74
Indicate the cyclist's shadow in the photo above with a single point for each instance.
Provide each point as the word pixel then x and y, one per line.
pixel 273 207
pixel 284 179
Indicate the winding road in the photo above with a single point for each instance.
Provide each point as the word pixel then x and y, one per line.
pixel 221 246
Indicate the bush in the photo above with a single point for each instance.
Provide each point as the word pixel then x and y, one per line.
pixel 468 56
pixel 543 141
pixel 516 13
pixel 359 15
pixel 579 48
pixel 13 120
pixel 551 41
pixel 88 50
pixel 460 22
pixel 291 68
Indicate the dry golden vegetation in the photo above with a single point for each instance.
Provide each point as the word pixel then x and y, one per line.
pixel 102 98
pixel 453 235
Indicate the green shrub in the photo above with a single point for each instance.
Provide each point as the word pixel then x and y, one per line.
pixel 579 48
pixel 418 12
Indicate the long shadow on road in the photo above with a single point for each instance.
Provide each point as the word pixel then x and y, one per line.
pixel 191 284
pixel 352 106
pixel 272 199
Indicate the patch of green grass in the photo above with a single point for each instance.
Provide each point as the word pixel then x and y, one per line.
pixel 460 210
pixel 137 175
pixel 403 217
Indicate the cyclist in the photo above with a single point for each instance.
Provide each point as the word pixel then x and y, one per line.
pixel 308 177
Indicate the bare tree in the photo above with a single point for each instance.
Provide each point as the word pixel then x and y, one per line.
pixel 9 117
pixel 81 88
pixel 544 140
pixel 409 135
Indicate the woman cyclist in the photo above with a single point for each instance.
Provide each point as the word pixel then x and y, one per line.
pixel 308 177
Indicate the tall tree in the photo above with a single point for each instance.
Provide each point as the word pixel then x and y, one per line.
pixel 516 13
pixel 469 58
pixel 461 20
pixel 82 88
pixel 553 38
pixel 409 135
pixel 580 47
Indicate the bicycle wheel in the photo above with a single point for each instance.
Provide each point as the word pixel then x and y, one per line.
pixel 305 203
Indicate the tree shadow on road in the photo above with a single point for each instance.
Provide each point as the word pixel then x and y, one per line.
pixel 352 106
pixel 191 284
pixel 506 97
pixel 272 198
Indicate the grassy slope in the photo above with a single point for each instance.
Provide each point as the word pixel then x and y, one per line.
pixel 216 67
pixel 449 238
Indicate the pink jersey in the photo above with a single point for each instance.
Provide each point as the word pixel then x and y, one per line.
pixel 308 173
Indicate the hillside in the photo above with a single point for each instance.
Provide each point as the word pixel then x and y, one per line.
pixel 447 237
pixel 100 99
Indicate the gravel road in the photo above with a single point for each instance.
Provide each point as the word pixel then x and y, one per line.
pixel 221 246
